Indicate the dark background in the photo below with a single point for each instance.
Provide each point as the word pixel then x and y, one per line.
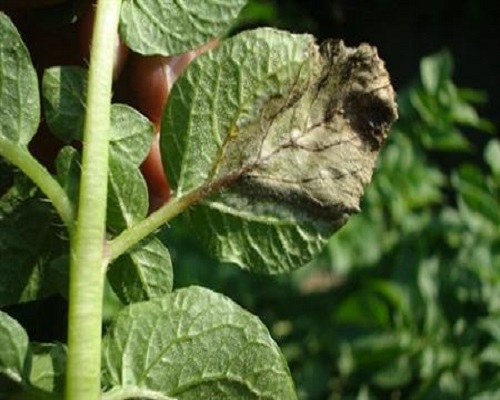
pixel 406 31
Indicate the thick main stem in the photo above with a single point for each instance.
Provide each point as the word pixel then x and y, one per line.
pixel 87 239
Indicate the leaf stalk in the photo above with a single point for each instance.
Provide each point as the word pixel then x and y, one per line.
pixel 29 165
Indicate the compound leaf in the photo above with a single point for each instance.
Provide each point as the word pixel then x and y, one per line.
pixel 195 344
pixel 175 26
pixel 279 138
pixel 19 97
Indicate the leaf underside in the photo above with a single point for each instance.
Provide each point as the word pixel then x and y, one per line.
pixel 170 27
pixel 279 137
pixel 195 344
pixel 143 273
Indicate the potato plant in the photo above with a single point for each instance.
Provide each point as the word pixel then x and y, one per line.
pixel 263 150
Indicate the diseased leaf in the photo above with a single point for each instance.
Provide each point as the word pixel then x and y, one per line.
pixel 48 364
pixel 131 133
pixel 175 26
pixel 195 344
pixel 19 97
pixel 279 138
pixel 64 90
pixel 127 194
pixel 143 273
pixel 13 349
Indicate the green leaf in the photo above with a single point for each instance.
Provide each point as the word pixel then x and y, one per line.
pixel 13 349
pixel 131 133
pixel 435 70
pixel 68 167
pixel 470 183
pixel 64 90
pixel 48 365
pixel 127 194
pixel 127 190
pixel 143 273
pixel 279 139
pixel 29 239
pixel 19 97
pixel 175 26
pixel 130 392
pixel 58 273
pixel 492 156
pixel 195 344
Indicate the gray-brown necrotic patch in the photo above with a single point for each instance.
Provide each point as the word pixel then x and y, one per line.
pixel 315 150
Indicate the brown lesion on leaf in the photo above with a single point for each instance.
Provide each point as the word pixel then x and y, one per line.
pixel 370 116
pixel 315 152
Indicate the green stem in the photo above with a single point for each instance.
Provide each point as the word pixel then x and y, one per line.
pixel 86 278
pixel 135 233
pixel 22 159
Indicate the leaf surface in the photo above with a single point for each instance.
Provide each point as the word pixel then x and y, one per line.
pixel 131 133
pixel 127 193
pixel 143 273
pixel 195 344
pixel 170 27
pixel 48 364
pixel 29 238
pixel 63 91
pixel 68 168
pixel 13 347
pixel 279 137
pixel 19 97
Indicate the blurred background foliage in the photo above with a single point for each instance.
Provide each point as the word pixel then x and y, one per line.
pixel 404 303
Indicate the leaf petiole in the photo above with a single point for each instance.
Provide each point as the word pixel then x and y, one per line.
pixel 22 159
pixel 139 231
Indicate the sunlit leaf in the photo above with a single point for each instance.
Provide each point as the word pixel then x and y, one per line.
pixel 64 90
pixel 19 97
pixel 13 349
pixel 48 364
pixel 280 139
pixel 195 344
pixel 172 26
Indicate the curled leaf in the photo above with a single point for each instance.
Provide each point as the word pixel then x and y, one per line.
pixel 279 137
